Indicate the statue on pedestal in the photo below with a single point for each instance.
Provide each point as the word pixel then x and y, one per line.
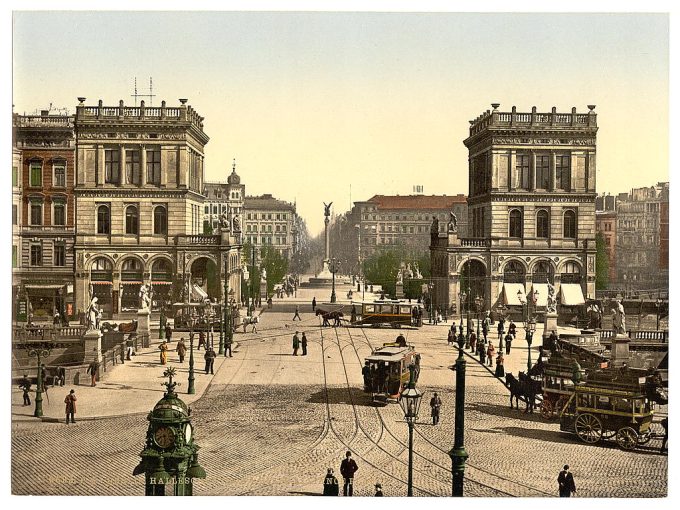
pixel 145 297
pixel 93 315
pixel 236 224
pixel 327 209
pixel 453 223
pixel 551 306
pixel 619 319
pixel 224 222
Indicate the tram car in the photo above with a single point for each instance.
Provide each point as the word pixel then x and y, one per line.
pixel 393 313
pixel 613 403
pixel 203 315
pixel 386 371
pixel 558 384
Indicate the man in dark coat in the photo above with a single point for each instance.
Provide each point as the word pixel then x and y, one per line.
pixel 181 350
pixel 435 404
pixel 303 343
pixel 366 372
pixel 565 481
pixel 508 342
pixel 209 357
pixel 70 402
pixel 347 469
pixel 92 369
pixel 664 424
pixel 25 384
pixel 296 343
pixel 168 333
pixel 331 487
pixel 314 304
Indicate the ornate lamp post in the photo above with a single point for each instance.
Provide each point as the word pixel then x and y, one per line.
pixel 333 267
pixel 479 301
pixel 192 320
pixel 39 353
pixel 161 323
pixel 410 403
pixel 430 288
pixel 225 304
pixel 229 330
pixel 457 453
pixel 467 315
pixel 463 296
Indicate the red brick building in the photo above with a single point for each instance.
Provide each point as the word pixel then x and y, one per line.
pixel 46 147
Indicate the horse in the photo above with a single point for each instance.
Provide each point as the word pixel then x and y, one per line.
pixel 519 389
pixel 128 327
pixel 532 388
pixel 247 321
pixel 326 314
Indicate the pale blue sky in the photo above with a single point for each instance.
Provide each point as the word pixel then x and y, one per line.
pixel 379 99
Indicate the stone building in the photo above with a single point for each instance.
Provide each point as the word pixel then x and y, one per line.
pixel 43 212
pixel 271 222
pixel 387 221
pixel 223 198
pixel 642 239
pixel 605 224
pixel 138 188
pixel 531 213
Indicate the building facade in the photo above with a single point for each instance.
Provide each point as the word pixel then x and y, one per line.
pixel 139 184
pixel 531 213
pixel 642 239
pixel 271 222
pixel 605 224
pixel 223 198
pixel 43 209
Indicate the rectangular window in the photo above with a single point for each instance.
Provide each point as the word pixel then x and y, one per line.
pixel 207 209
pixel 36 174
pixel 15 176
pixel 543 172
pixel 111 166
pixel 36 255
pixel 132 167
pixel 563 172
pixel 15 252
pixel 14 214
pixel 153 166
pixel 59 214
pixel 36 213
pixel 59 255
pixel 60 175
pixel 522 169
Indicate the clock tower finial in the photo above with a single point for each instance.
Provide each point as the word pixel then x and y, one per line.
pixel 170 385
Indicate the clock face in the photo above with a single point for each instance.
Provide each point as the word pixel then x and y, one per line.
pixel 164 437
pixel 188 432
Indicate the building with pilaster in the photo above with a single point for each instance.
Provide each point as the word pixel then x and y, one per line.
pixel 531 213
pixel 269 221
pixel 139 183
pixel 223 198
pixel 43 214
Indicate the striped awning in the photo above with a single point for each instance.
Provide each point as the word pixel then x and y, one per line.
pixel 96 282
pixel 131 283
pixel 571 294
pixel 161 283
pixel 510 296
pixel 50 286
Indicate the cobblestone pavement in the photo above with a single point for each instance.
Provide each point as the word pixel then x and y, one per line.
pixel 270 423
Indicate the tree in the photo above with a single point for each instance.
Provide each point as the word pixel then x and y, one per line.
pixel 383 267
pixel 601 263
pixel 300 259
pixel 276 266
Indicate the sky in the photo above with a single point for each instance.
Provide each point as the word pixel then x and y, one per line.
pixel 338 106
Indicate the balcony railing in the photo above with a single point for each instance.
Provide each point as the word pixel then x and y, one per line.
pixel 183 113
pixel 513 118
pixel 201 240
pixel 44 121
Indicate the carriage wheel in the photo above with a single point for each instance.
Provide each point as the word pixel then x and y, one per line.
pixel 559 405
pixel 627 438
pixel 589 428
pixel 547 409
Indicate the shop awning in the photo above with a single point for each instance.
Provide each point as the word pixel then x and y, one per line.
pixel 49 286
pixel 510 293
pixel 199 292
pixel 161 283
pixel 571 294
pixel 131 282
pixel 101 283
pixel 542 289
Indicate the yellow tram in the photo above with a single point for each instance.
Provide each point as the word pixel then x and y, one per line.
pixel 386 371
pixel 394 313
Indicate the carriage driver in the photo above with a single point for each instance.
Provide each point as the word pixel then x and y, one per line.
pixel 366 372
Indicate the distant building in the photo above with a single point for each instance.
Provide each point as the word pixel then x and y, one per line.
pixel 43 212
pixel 605 224
pixel 269 221
pixel 223 198
pixel 531 213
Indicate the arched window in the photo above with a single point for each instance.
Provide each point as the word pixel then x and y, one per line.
pixel 103 220
pixel 570 225
pixel 101 270
pixel 514 272
pixel 131 220
pixel 160 220
pixel 542 224
pixel 515 223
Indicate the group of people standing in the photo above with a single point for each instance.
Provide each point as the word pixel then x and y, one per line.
pixel 348 467
pixel 297 342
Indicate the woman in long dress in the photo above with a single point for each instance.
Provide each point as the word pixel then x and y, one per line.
pixel 164 352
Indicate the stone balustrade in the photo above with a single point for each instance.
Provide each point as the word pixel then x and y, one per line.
pixel 491 118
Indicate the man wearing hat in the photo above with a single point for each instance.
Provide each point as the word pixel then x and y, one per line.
pixel 347 469
pixel 296 343
pixel 70 402
pixel 565 480
pixel 378 490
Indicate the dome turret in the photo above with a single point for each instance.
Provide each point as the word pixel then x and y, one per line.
pixel 233 177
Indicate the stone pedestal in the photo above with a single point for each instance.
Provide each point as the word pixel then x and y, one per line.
pixel 549 325
pixel 144 322
pixel 620 353
pixel 399 290
pixel 93 346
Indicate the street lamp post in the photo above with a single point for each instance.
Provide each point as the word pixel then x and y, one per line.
pixel 467 314
pixel 333 267
pixel 529 325
pixel 39 353
pixel 479 301
pixel 223 319
pixel 190 388
pixel 457 453
pixel 410 403
pixel 463 296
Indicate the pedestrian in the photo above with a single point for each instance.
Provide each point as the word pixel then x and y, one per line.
pixel 70 402
pixel 168 332
pixel 296 343
pixel 227 347
pixel 435 405
pixel 297 313
pixel 460 327
pixel 401 340
pixel 565 481
pixel 304 344
pixel 481 350
pixel 366 372
pixel 164 352
pixel 490 353
pixel 181 349
pixel 129 346
pixel 378 490
pixel 512 329
pixel 314 304
pixel 269 303
pixel 353 316
pixel 331 487
pixel 501 328
pixel 473 341
pixel 57 318
pixel 449 338
pixel 552 342
pixel 60 377
pixel 485 327
pixel 92 369
pixel 508 342
pixel 25 384
pixel 347 469
pixel 209 357
pixel 201 341
pixel 500 369
pixel 664 424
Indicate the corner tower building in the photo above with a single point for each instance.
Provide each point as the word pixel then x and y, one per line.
pixel 531 213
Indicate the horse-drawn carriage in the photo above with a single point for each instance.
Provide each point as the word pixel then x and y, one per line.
pixel 393 313
pixel 558 384
pixel 197 316
pixel 386 371
pixel 613 403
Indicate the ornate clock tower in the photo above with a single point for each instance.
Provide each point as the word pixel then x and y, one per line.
pixel 170 457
